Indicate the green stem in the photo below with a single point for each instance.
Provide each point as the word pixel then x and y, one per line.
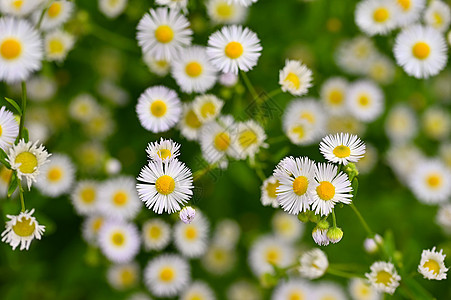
pixel 250 87
pixel 113 38
pixel 334 220
pixel 273 93
pixel 342 273
pixel 24 106
pixel 198 174
pixel 22 200
pixel 362 220
pixel 41 17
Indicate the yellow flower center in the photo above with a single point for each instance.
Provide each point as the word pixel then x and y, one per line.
pixel 308 116
pixel 336 97
pixel 158 108
pixel 438 19
pixel 154 232
pixel 88 195
pixel 1 130
pixel 190 232
pixel 325 190
pixel 224 10
pixel 120 198
pixel 5 175
pixel 28 162
pixel 364 100
pixel 161 63
pixel 434 181
pixel 54 10
pixel 421 50
pixel 219 255
pixel 234 50
pixel 383 277
pixel 55 174
pixel 299 131
pixel 18 4
pixel 127 277
pixel 296 295
pixel 272 256
pixel 405 4
pixel 118 239
pixel 164 34
pixel 342 151
pixel 195 297
pixel 97 224
pixel 24 227
pixel 56 47
pixel 208 109
pixel 167 274
pixel 164 153
pixel 300 185
pixel 271 189
pixel 192 120
pixel 222 141
pixel 381 15
pixel 165 185
pixel 433 266
pixel 294 80
pixel 193 69
pixel 10 49
pixel 247 138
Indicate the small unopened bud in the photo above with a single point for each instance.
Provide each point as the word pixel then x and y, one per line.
pixel 303 217
pixel 187 214
pixel 268 280
pixel 323 224
pixel 113 166
pixel 313 218
pixel 335 234
pixel 370 245
pixel 228 79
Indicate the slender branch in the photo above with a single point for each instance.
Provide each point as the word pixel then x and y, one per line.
pixel 250 87
pixel 198 174
pixel 22 200
pixel 24 106
pixel 342 273
pixel 362 220
pixel 334 220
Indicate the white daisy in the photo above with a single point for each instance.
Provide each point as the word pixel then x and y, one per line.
pixel 268 192
pixel 365 100
pixel 192 70
pixel 401 124
pixel 354 55
pixel 227 233
pixel 287 227
pixel 300 132
pixel 225 12
pixel 191 239
pixel 234 48
pixel 207 107
pixel 267 251
pixel 118 198
pixel 313 264
pixel 119 241
pixel 432 265
pixel 160 67
pixel 164 151
pixel 173 4
pixel 9 128
pixel 443 217
pixel 85 197
pixel 41 88
pixel 250 137
pixel 112 8
pixel 5 178
pixel 20 50
pixel 158 109
pixel 56 15
pixel 198 290
pixel 22 229
pixel 112 92
pixel 345 123
pixel 295 78
pixel 243 2
pixel 360 289
pixel 156 234
pixel 329 189
pixel 430 181
pixel 342 148
pixel 27 159
pixel 438 15
pixel 18 8
pixel 83 108
pixel 436 123
pixel 244 290
pixel 167 275
pixel 123 276
pixel 189 124
pixel 333 95
pixel 56 177
pixel 165 186
pixel 381 69
pixel 376 16
pixel 91 227
pixel 162 33
pixel 383 277
pixel 292 289
pixel 187 214
pixel 328 291
pixel 319 233
pixel 409 11
pixel 57 44
pixel 421 51
pixel 296 178
pixel 218 259
pixel 403 160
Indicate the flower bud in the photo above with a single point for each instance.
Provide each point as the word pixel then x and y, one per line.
pixel 303 217
pixel 335 234
pixel 187 214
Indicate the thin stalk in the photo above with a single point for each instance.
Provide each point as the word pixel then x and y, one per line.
pixel 24 106
pixel 41 17
pixel 342 273
pixel 362 220
pixel 334 220
pixel 249 86
pixel 198 174
pixel 22 200
pixel 113 38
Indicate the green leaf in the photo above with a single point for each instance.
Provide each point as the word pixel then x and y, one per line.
pixel 3 158
pixel 13 184
pixel 15 105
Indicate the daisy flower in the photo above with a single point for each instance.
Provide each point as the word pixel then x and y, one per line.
pixel 123 276
pixel 119 241
pixel 162 33
pixel 234 48
pixel 342 148
pixel 21 230
pixel 295 78
pixel 421 51
pixel 242 2
pixel 85 197
pixel 250 137
pixel 443 218
pixel 187 214
pixel 360 289
pixel 218 259
pixel 83 108
pixel 56 177
pixel 436 123
pixel 300 132
pixel 381 69
pixel 287 227
pixel 293 288
pixel 158 109
pixel 269 192
pixel 198 290
pixel 57 44
pixel 191 239
pixel 165 186
pixel 189 124
pixel 319 233
pixel 354 56
pixel 27 159
pixel 173 4
pixel 432 265
pixel 156 234
pixel 91 227
pixel 227 233
pixel 160 67
pixel 244 290
pixel 329 189
pixel 401 124
pixel 313 264
pixel 376 16
pixel 365 100
pixel 20 50
pixel 164 151
pixel 409 11
pixel 383 277
pixel 333 95
pixel 5 178
pixel 207 107
pixel 296 178
pixel 225 12
pixel 41 88
pixel 329 291
pixel 167 275
pixel 192 70
pixel 56 15
pixel 19 8
pixel 438 15
pixel 112 9
pixel 9 128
